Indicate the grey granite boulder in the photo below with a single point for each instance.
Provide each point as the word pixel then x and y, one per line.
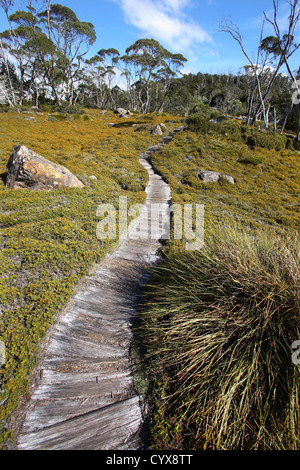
pixel 214 177
pixel 29 170
pixel 158 130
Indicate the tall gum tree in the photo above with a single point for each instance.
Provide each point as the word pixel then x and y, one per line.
pixel 100 72
pixel 73 39
pixel 147 65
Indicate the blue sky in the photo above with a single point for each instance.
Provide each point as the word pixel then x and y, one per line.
pixel 190 27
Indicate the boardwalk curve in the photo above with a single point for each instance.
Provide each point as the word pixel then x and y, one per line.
pixel 84 396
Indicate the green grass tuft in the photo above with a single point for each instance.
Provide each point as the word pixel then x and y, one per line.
pixel 219 325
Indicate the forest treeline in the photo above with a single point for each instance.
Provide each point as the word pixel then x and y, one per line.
pixel 45 59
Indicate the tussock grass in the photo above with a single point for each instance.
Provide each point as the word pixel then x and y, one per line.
pixel 218 329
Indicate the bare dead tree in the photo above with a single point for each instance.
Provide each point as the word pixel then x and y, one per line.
pixel 227 26
pixel 280 46
pixel 286 48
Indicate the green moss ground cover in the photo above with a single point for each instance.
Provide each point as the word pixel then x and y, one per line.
pixel 48 239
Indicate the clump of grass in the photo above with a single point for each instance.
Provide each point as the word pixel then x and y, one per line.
pixel 219 328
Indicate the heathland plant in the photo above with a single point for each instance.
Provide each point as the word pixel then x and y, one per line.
pixel 266 180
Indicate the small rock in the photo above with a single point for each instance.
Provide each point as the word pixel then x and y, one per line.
pixel 122 111
pixel 209 176
pixel 214 177
pixel 228 178
pixel 157 130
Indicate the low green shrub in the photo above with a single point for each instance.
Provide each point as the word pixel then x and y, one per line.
pixel 203 110
pixel 57 117
pixel 198 123
pixel 266 139
pixel 252 160
pixel 230 129
pixel 68 109
pixel 251 141
pixel 235 132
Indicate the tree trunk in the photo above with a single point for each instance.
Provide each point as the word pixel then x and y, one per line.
pixel 13 102
pixel 267 116
pixel 298 131
pixel 286 117
pixel 21 86
pixel 251 104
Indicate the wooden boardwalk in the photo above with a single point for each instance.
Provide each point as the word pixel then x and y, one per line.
pixel 84 396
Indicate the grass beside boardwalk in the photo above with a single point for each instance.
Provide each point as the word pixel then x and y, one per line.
pixel 48 239
pixel 219 328
pixel 218 324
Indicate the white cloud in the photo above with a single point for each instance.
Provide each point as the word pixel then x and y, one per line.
pixel 174 6
pixel 166 22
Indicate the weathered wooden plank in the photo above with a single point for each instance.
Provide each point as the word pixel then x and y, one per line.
pixel 113 427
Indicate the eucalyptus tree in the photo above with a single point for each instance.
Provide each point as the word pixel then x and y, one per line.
pixel 284 46
pixel 110 58
pixel 22 28
pixel 171 66
pixel 9 80
pixel 72 39
pixel 100 71
pixel 11 96
pixel 148 67
pixel 33 48
pixel 48 46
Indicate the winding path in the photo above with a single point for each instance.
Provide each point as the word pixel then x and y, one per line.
pixel 84 397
